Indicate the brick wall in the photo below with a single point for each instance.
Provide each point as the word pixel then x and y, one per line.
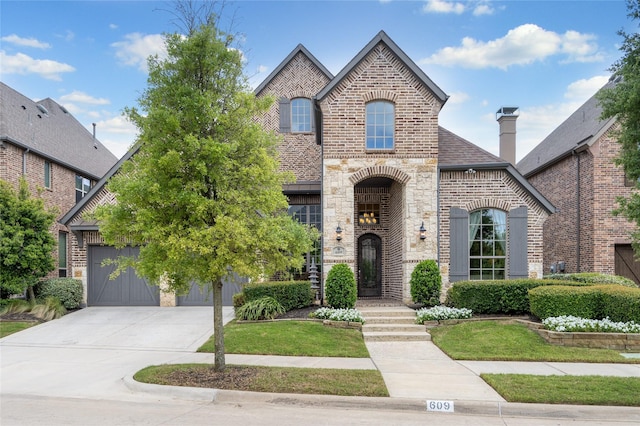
pixel 488 189
pixel 299 152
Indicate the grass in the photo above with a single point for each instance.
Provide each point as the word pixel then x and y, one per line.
pixel 10 327
pixel 290 338
pixel 582 390
pixel 269 379
pixel 492 340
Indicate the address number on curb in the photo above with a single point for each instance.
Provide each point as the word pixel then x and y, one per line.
pixel 446 406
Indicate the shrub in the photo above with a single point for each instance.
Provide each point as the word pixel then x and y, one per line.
pixel 67 290
pixel 426 283
pixel 555 301
pixel 509 297
pixel 593 278
pixel 340 287
pixel 352 315
pixel 290 294
pixel 16 306
pixel 260 309
pixel 620 303
pixel 238 300
pixel 48 309
pixel 438 313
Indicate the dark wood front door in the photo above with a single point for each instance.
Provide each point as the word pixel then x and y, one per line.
pixel 369 266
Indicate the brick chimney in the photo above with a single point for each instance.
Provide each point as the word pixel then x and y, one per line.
pixel 507 117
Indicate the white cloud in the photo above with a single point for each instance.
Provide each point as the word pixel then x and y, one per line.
pixel 262 68
pixel 24 64
pixel 522 45
pixel 117 134
pixel 113 27
pixel 136 48
pixel 26 42
pixel 583 89
pixel 83 98
pixel 443 6
pixel 457 98
pixel 483 8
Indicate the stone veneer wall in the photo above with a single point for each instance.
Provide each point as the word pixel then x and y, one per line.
pixel 488 189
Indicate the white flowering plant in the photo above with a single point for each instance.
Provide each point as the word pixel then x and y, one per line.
pixel 441 313
pixel 571 323
pixel 351 315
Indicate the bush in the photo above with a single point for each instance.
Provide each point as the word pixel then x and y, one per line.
pixel 509 297
pixel 620 303
pixel 48 309
pixel 290 294
pixel 238 300
pixel 67 290
pixel 260 309
pixel 340 288
pixel 426 283
pixel 593 278
pixel 555 301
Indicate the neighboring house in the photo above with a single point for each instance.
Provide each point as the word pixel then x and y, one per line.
pixel 59 158
pixel 386 185
pixel 574 168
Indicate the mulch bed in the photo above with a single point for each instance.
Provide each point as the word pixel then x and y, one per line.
pixel 302 313
pixel 22 316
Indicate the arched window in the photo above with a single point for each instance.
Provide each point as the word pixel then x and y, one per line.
pixel 380 123
pixel 487 244
pixel 300 115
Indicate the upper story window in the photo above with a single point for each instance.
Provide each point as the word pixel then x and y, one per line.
pixel 300 115
pixel 83 185
pixel 380 124
pixel 47 174
pixel 488 244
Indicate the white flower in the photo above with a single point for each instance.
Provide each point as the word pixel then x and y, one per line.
pixel 441 313
pixel 571 323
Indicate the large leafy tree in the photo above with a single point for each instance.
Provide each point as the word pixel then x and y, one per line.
pixel 202 196
pixel 26 244
pixel 623 102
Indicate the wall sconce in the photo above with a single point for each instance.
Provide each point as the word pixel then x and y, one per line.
pixel 338 233
pixel 423 232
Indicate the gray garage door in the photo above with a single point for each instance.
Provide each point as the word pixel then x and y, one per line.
pixel 197 297
pixel 126 290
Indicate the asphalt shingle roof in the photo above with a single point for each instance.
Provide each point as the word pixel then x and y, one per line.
pixel 454 150
pixel 48 129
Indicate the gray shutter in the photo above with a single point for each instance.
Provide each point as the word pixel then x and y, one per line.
pixel 458 245
pixel 518 250
pixel 285 115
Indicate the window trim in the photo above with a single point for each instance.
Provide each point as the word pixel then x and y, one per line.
pixel 47 174
pixel 81 190
pixel 63 271
pixel 481 269
pixel 384 125
pixel 294 111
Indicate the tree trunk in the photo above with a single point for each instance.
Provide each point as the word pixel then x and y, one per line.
pixel 218 327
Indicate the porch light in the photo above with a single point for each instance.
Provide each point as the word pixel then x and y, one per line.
pixel 338 233
pixel 423 232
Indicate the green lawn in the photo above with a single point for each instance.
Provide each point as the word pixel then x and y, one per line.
pixel 493 340
pixel 290 338
pixel 10 327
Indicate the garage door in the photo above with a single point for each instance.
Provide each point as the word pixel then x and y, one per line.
pixel 197 297
pixel 626 264
pixel 126 290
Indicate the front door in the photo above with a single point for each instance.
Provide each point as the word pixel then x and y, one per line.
pixel 369 266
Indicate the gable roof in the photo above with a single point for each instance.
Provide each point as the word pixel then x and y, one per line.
pixel 299 49
pixel 49 130
pixel 382 37
pixel 583 128
pixel 456 153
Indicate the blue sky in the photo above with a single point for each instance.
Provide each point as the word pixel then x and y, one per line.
pixel 546 57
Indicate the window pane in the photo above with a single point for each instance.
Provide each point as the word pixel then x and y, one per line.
pixel 380 124
pixel 62 250
pixel 300 115
pixel 487 237
pixel 47 174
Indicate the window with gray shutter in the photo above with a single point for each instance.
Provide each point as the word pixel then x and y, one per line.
pixel 518 264
pixel 458 245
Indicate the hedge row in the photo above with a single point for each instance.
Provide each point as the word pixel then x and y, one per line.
pixel 67 290
pixel 290 294
pixel 509 297
pixel 593 278
pixel 617 302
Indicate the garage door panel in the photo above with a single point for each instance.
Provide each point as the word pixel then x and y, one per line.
pixel 126 290
pixel 199 297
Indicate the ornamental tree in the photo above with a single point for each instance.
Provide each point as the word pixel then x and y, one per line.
pixel 26 245
pixel 202 195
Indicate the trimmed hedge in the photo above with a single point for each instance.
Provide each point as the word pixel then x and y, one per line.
pixel 593 278
pixel 67 290
pixel 426 283
pixel 509 297
pixel 614 301
pixel 340 289
pixel 290 294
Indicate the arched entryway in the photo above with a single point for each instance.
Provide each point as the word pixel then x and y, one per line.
pixel 369 266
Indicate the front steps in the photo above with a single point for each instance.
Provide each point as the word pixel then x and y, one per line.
pixel 391 324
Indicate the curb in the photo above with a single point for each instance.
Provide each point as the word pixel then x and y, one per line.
pixel 479 408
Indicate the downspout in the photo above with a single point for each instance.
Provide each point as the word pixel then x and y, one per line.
pixel 578 212
pixel 24 161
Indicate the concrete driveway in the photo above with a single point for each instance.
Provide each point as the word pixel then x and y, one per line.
pixel 87 354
